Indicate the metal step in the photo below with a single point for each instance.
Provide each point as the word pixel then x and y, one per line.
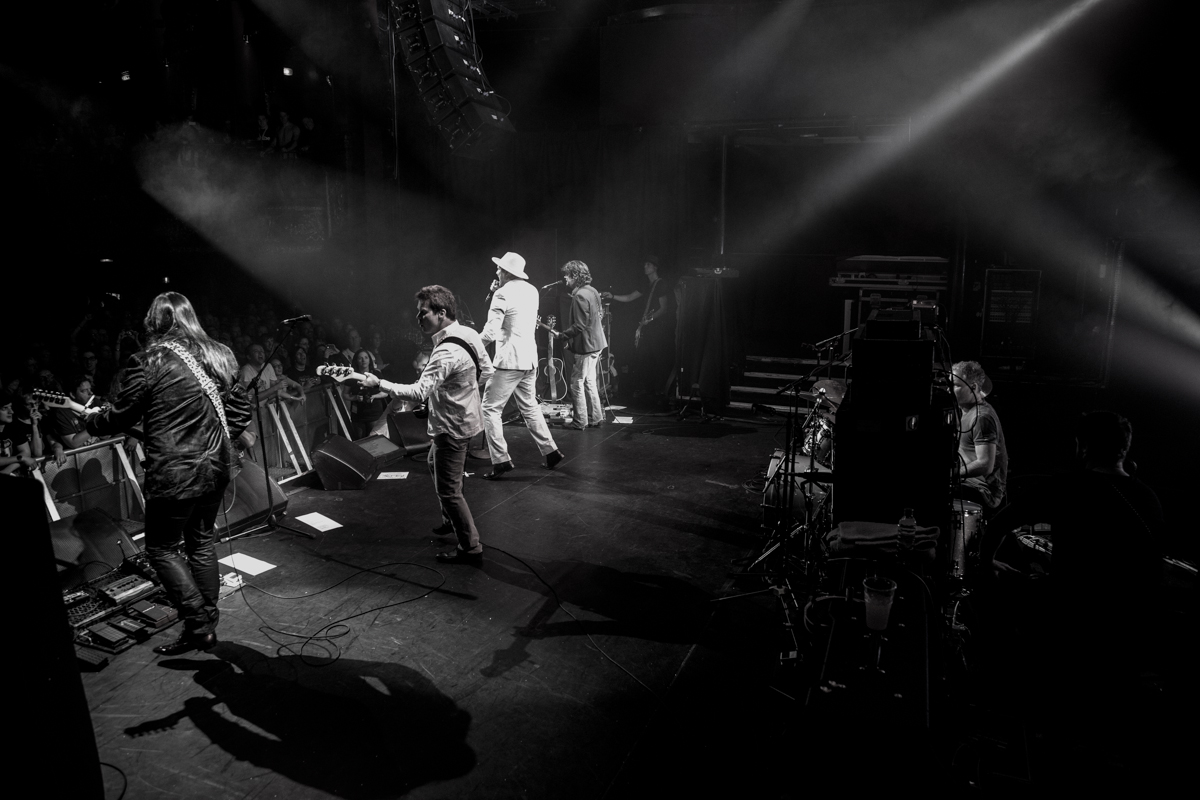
pixel 740 406
pixel 782 376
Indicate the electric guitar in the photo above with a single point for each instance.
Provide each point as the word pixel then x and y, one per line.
pixel 60 400
pixel 552 385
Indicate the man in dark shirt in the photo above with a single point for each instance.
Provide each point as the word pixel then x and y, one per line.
pixel 982 455
pixel 585 337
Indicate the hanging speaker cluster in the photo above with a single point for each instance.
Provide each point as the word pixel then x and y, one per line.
pixel 435 43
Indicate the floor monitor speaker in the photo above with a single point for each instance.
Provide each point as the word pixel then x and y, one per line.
pixel 408 432
pixel 247 502
pixel 382 450
pixel 341 464
pixel 87 546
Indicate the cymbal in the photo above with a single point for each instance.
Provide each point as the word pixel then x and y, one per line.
pixel 835 390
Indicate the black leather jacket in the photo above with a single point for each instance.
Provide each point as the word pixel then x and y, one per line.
pixel 187 453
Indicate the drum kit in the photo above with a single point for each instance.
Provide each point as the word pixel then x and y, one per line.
pixel 814 471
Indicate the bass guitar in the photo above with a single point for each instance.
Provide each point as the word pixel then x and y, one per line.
pixel 343 374
pixel 339 374
pixel 551 385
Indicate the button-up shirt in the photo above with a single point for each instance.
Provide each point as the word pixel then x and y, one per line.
pixel 512 320
pixel 448 381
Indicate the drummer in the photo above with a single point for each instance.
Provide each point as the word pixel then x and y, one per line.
pixel 982 455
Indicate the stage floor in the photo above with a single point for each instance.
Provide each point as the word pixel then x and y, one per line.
pixel 583 660
pixel 452 681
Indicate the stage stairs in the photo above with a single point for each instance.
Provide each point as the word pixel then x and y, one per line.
pixel 763 376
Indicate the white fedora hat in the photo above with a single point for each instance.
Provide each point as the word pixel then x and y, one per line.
pixel 512 264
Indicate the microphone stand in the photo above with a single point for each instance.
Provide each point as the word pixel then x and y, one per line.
pixel 271 523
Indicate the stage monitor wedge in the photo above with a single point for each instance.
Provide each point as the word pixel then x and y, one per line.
pixel 341 464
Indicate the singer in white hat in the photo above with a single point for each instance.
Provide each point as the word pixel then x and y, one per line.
pixel 511 323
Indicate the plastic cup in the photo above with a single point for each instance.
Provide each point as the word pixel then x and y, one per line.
pixel 878 593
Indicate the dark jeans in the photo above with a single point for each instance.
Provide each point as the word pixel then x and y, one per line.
pixel 448 457
pixel 180 542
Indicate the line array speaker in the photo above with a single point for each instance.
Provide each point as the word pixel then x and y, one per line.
pixel 434 40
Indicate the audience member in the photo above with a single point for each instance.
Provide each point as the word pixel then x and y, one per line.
pixel 15 455
pixel 69 426
pixel 269 383
pixel 301 371
pixel 368 407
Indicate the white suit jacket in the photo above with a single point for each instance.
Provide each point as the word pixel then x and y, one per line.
pixel 512 321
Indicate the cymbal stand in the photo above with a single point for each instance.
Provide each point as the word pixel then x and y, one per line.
pixel 787 527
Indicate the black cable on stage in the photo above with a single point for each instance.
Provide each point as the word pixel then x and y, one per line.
pixel 559 601
pixel 326 634
pixel 124 777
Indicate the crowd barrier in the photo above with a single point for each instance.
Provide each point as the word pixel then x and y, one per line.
pixel 293 429
pixel 107 475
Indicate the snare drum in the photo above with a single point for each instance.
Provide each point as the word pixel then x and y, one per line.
pixel 968 524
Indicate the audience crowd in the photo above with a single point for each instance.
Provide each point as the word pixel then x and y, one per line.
pixel 85 364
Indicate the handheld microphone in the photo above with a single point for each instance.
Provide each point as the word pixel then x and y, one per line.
pixel 294 320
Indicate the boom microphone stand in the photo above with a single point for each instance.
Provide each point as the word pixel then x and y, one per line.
pixel 271 523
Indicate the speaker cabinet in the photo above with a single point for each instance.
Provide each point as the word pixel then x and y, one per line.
pixel 382 450
pixel 58 730
pixel 408 432
pixel 887 460
pixel 341 464
pixel 247 502
pixel 87 546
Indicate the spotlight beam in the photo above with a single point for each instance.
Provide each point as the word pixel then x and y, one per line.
pixel 843 181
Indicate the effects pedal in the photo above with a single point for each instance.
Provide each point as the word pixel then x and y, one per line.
pixel 104 637
pixel 131 587
pixel 131 627
pixel 90 657
pixel 158 617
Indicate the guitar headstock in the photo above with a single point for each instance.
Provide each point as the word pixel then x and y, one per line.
pixel 338 373
pixel 53 399
pixel 550 320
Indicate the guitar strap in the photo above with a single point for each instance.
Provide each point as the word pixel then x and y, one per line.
pixel 470 351
pixel 206 383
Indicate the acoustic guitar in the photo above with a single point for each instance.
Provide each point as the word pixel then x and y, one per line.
pixel 551 385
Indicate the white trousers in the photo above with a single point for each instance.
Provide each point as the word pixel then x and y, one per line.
pixel 585 395
pixel 517 384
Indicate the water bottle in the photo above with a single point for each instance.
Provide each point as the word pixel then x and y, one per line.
pixel 907 525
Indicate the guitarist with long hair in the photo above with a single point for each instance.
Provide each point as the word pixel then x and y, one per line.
pixel 183 390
